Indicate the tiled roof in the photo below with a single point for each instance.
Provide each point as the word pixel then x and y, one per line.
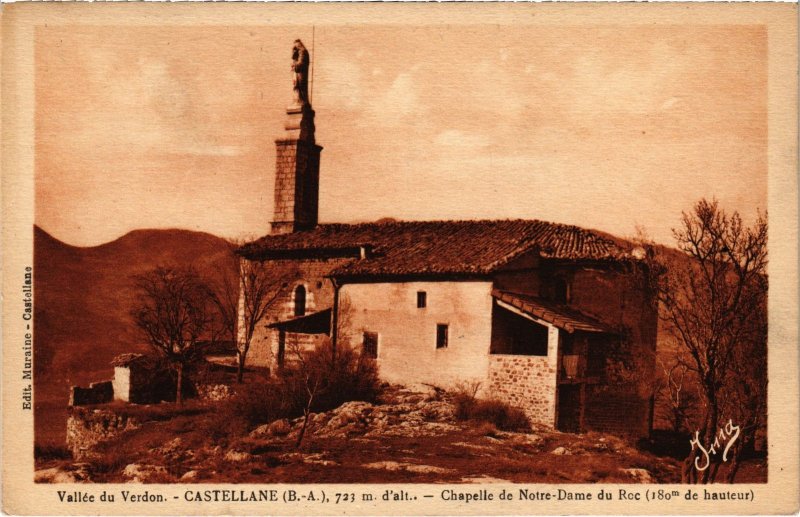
pixel 439 247
pixel 562 317
pixel 127 359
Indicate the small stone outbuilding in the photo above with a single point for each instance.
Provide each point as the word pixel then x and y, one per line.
pixel 135 379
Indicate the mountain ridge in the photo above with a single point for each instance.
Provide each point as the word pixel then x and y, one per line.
pixel 82 302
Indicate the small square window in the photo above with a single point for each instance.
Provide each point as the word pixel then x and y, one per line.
pixel 441 335
pixel 422 299
pixel 370 344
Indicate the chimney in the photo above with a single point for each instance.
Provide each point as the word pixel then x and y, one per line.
pixel 297 157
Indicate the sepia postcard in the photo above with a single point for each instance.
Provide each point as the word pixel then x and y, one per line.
pixel 400 258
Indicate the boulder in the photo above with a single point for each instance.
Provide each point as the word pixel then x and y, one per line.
pixel 408 467
pixel 279 428
pixel 54 475
pixel 237 456
pixel 190 476
pixel 138 473
pixel 215 392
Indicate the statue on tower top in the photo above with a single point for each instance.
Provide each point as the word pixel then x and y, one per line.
pixel 300 62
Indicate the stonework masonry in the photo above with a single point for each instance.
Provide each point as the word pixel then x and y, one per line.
pixel 88 427
pixel 296 185
pixel 319 296
pixel 526 382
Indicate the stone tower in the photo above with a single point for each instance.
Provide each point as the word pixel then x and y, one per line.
pixel 297 157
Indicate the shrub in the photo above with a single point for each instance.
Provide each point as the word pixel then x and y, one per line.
pixel 502 415
pixel 465 397
pixel 330 379
pixel 250 406
pixel 485 429
pixel 334 378
pixel 111 460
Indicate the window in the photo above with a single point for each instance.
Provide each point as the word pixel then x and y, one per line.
pixel 441 335
pixel 300 300
pixel 422 299
pixel 370 344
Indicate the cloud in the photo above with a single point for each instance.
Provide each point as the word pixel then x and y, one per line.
pixel 401 99
pixel 627 85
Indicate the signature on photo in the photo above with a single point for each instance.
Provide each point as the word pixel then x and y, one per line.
pixel 727 435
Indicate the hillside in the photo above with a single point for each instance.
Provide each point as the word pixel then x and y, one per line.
pixel 405 436
pixel 83 298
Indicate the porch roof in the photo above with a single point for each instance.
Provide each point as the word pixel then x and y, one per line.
pixel 314 323
pixel 559 316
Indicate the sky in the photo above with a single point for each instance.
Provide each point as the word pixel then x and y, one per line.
pixel 607 127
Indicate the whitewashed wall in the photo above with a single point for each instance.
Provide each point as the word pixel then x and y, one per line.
pixel 407 350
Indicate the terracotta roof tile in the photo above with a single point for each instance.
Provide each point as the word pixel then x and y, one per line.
pixel 440 247
pixel 563 317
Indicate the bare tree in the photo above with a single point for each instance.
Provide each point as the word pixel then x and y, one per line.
pixel 174 314
pixel 713 301
pixel 244 298
pixel 326 376
pixel 310 374
pixel 674 387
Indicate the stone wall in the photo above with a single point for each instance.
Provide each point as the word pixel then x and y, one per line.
pixel 96 393
pixel 319 296
pixel 616 296
pixel 526 382
pixel 88 427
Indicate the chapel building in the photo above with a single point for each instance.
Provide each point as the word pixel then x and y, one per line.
pixel 554 319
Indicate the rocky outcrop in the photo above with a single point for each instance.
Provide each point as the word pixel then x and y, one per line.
pixel 136 473
pixel 639 475
pixel 214 392
pixel 408 467
pixel 406 414
pixel 277 428
pixel 75 473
